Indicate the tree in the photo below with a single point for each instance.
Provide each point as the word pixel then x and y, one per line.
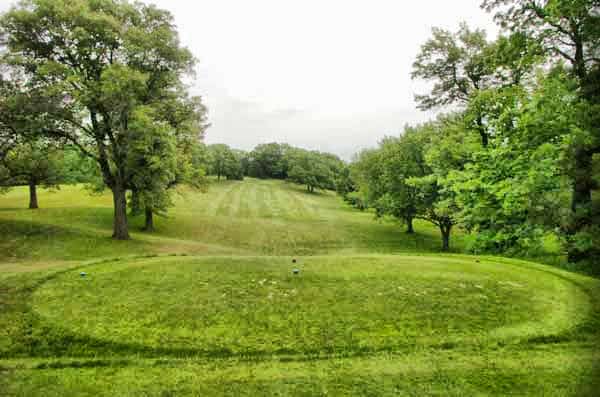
pixel 366 170
pixel 225 162
pixel 382 176
pixel 568 31
pixel 402 159
pixel 269 161
pixel 344 184
pixel 311 169
pixel 236 169
pixel 398 159
pixel 459 65
pixel 90 65
pixel 405 177
pixel 32 163
pixel 464 63
pixel 153 158
pixel 447 148
pixel 513 194
pixel 175 149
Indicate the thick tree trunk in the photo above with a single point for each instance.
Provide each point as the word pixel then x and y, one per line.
pixel 120 227
pixel 409 225
pixel 581 205
pixel 583 184
pixel 149 226
pixel 33 201
pixel 445 229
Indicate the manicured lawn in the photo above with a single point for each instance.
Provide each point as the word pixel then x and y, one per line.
pixel 252 217
pixel 209 305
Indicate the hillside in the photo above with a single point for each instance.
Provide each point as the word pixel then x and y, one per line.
pixel 254 217
pixel 209 304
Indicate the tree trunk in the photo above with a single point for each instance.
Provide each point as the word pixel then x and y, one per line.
pixel 445 230
pixel 409 225
pixel 149 227
pixel 581 205
pixel 482 132
pixel 583 181
pixel 582 188
pixel 33 201
pixel 120 227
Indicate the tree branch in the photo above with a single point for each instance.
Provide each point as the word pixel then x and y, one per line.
pixel 71 139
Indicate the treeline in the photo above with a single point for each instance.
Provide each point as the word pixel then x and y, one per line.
pixel 516 158
pixel 314 169
pixel 104 78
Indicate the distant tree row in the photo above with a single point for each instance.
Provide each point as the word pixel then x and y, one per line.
pixel 518 157
pixel 315 170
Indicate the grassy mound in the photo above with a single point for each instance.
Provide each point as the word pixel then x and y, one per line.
pixel 256 305
pixel 208 304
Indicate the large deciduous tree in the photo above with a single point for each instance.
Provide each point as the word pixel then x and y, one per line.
pixel 400 159
pixel 459 66
pixel 154 158
pixel 166 144
pixel 90 65
pixel 464 63
pixel 569 31
pixel 447 148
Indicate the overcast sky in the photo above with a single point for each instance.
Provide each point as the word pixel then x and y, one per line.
pixel 332 75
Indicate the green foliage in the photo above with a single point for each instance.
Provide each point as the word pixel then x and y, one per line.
pixel 404 177
pixel 366 170
pixel 33 163
pixel 344 184
pixel 153 156
pixel 38 162
pixel 78 168
pixel 356 200
pixel 314 169
pixel 90 66
pixel 514 193
pixel 225 162
pixel 269 161
pixel 568 32
pixel 456 62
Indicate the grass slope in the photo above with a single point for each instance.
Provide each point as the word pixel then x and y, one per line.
pixel 252 217
pixel 208 304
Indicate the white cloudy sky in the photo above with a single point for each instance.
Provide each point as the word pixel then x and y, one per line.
pixel 332 75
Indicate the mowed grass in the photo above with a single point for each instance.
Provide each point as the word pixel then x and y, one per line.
pixel 253 217
pixel 257 306
pixel 209 305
